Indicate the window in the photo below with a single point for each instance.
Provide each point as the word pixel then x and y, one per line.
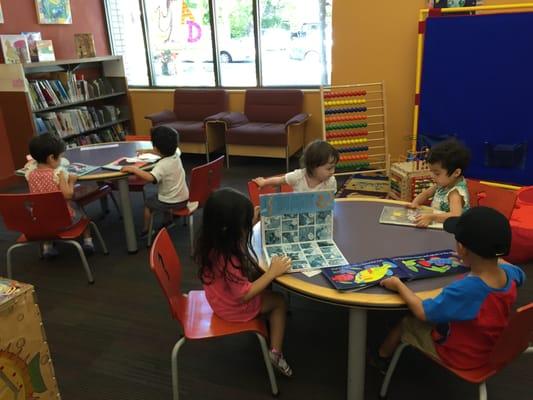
pixel 126 37
pixel 228 43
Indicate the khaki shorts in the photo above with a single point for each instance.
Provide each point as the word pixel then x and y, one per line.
pixel 418 334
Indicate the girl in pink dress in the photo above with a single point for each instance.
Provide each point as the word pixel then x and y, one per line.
pixel 235 287
pixel 43 176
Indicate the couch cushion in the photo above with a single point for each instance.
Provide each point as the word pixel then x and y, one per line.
pixel 196 104
pixel 258 133
pixel 189 131
pixel 276 106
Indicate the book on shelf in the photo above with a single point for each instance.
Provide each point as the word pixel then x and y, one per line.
pixel 84 43
pixel 122 162
pixel 15 49
pixel 357 276
pixel 45 50
pixel 31 38
pixel 400 215
pixel 115 133
pixel 300 226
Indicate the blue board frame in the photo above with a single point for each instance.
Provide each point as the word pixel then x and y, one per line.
pixel 477 85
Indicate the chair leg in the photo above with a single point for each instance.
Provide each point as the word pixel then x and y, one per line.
pixel 390 370
pixel 150 229
pixel 191 232
pixel 207 151
pixel 8 256
pixel 268 364
pixel 483 391
pixel 83 260
pixel 115 203
pixel 174 363
pixel 99 237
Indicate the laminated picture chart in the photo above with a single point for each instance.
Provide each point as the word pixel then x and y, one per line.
pixel 300 226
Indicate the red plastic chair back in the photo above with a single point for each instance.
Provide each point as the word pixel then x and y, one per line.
pixel 515 338
pixel 136 138
pixel 254 191
pixel 501 199
pixel 165 264
pixel 39 216
pixel 204 180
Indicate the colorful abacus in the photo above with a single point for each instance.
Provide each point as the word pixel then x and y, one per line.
pixel 354 123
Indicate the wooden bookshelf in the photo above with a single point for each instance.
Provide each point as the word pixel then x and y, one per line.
pixel 16 103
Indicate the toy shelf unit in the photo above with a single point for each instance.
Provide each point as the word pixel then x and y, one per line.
pixel 82 101
pixel 410 177
pixel 353 121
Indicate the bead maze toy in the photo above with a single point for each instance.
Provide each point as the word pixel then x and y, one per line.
pixel 408 178
pixel 353 121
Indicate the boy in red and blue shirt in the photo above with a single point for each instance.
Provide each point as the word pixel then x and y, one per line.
pixel 462 324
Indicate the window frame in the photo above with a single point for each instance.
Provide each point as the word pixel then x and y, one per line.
pixel 216 58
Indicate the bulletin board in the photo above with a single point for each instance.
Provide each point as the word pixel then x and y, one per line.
pixel 475 82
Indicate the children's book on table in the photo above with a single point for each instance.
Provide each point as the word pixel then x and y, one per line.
pixel 80 169
pixel 122 162
pixel 300 226
pixel 353 277
pixel 400 215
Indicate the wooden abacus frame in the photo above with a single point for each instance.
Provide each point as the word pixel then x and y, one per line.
pixel 359 132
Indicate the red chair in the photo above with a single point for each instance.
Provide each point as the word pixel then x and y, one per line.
pixel 499 198
pixel 44 217
pixel 513 341
pixel 192 310
pixel 204 180
pixel 254 191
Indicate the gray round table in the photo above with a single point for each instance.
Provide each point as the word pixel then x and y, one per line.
pixel 105 153
pixel 360 237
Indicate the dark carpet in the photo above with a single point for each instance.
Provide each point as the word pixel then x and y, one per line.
pixel 112 340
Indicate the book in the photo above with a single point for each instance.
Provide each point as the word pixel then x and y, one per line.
pixel 15 49
pixel 117 165
pixel 45 50
pixel 300 226
pixel 399 215
pixel 80 169
pixel 84 43
pixel 31 38
pixel 357 276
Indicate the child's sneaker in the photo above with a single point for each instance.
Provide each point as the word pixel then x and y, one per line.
pixel 277 360
pixel 375 360
pixel 49 252
pixel 88 246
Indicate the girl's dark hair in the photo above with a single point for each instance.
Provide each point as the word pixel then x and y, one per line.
pixel 226 233
pixel 45 145
pixel 165 139
pixel 451 154
pixel 318 153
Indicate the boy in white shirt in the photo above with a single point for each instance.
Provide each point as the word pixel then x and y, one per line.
pixel 168 174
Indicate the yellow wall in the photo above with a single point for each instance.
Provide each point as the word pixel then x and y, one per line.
pixel 373 41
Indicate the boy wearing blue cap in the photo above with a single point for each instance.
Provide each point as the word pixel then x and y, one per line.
pixel 462 324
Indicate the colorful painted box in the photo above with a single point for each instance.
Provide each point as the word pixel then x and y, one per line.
pixel 26 370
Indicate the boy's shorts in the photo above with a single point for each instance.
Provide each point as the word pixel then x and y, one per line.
pixel 154 204
pixel 418 334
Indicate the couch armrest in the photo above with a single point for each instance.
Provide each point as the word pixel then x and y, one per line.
pixel 232 119
pixel 216 117
pixel 161 117
pixel 297 119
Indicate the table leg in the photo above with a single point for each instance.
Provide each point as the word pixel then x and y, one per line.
pixel 356 354
pixel 127 217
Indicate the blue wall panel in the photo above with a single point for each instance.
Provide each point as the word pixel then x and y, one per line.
pixel 477 84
